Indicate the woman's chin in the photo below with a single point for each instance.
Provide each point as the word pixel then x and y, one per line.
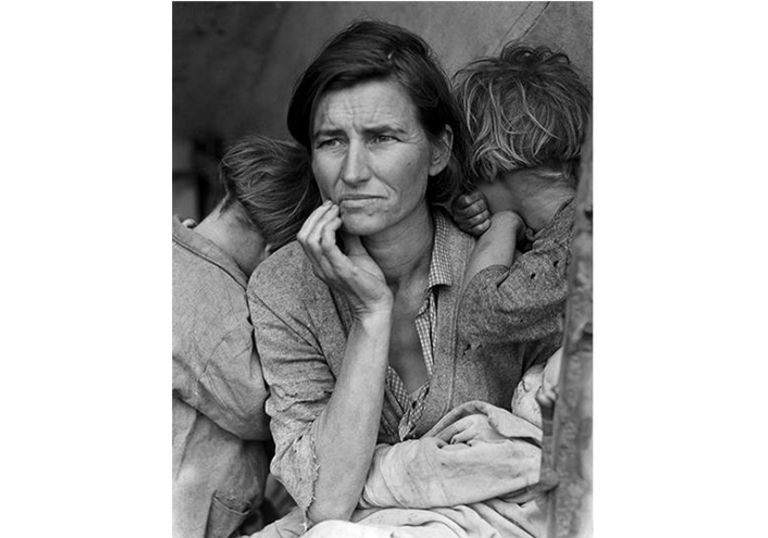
pixel 360 225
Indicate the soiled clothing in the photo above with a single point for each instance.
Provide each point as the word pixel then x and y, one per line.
pixel 524 302
pixel 221 438
pixel 301 329
pixel 437 487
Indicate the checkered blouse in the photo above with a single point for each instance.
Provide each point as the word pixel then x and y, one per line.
pixel 411 406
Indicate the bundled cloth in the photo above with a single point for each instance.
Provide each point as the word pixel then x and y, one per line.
pixel 476 474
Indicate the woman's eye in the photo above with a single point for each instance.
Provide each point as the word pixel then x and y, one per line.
pixel 381 139
pixel 328 143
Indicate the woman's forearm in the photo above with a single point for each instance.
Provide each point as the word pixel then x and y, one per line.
pixel 347 429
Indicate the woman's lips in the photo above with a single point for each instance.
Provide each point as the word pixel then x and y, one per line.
pixel 351 202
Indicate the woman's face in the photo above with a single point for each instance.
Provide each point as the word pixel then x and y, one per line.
pixel 371 156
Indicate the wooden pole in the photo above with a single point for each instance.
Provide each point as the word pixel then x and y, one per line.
pixel 568 448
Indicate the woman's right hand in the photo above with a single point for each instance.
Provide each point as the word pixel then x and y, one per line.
pixel 354 274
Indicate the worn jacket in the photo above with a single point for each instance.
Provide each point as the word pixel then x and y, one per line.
pixel 526 301
pixel 301 328
pixel 221 435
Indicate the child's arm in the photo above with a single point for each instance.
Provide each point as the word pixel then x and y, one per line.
pixel 524 301
pixel 498 233
pixel 497 245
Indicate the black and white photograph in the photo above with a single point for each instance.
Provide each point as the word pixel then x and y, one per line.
pixel 382 269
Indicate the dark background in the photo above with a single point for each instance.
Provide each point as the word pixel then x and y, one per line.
pixel 235 63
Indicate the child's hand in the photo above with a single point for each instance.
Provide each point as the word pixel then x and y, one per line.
pixel 470 211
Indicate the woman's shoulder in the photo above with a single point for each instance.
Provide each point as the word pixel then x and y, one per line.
pixel 287 270
pixel 454 240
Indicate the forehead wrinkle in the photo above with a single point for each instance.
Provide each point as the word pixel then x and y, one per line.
pixel 367 110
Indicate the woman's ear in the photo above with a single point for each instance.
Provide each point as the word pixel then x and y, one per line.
pixel 441 151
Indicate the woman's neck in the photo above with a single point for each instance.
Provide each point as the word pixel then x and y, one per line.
pixel 404 252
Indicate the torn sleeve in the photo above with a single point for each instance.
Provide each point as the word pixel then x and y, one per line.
pixel 300 382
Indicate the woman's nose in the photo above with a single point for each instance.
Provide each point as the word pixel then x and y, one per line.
pixel 355 167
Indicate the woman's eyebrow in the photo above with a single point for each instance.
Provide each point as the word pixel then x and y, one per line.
pixel 327 132
pixel 377 129
pixel 382 129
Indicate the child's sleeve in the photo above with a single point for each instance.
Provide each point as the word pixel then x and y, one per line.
pixel 526 301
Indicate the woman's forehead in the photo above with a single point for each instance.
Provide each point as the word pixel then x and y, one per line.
pixel 370 104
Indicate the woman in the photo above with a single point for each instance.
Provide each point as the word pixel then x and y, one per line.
pixel 355 323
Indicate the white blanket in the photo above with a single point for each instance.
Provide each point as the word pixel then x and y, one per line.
pixel 486 485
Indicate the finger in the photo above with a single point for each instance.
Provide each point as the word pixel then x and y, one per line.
pixel 465 200
pixel 459 203
pixel 446 434
pixel 331 254
pixel 479 218
pixel 328 228
pixel 482 227
pixel 308 238
pixel 315 235
pixel 451 431
pixel 321 242
pixel 316 215
pixel 468 220
pixel 464 436
pixel 479 229
pixel 309 224
pixel 476 208
pixel 318 232
pixel 454 428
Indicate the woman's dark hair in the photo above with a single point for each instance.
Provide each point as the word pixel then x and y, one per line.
pixel 374 50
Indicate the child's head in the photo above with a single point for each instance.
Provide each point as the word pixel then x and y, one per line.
pixel 270 182
pixel 526 109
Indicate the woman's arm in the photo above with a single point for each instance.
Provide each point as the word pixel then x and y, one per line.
pixel 347 429
pixel 309 416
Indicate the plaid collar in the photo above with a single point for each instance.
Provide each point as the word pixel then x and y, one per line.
pixel 440 265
